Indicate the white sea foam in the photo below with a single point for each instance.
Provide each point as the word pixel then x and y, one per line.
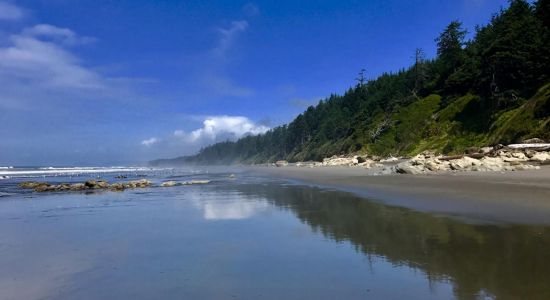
pixel 53 171
pixel 6 168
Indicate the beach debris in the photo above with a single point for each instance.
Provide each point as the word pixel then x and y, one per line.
pixel 389 159
pixel 175 183
pixel 169 183
pixel 195 182
pixel 281 163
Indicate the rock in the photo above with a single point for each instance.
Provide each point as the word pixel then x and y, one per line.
pixel 340 161
pixel 389 159
pixel 142 183
pixel 102 184
pixel 540 157
pixel 281 163
pixel 117 187
pixel 361 160
pixel 405 168
pixel 121 177
pixel 530 153
pixel 45 188
pixel 77 186
pixel 90 184
pixel 370 164
pixel 486 150
pixel 418 160
pixel 432 166
pixel 519 155
pixel 465 162
pixel 492 164
pixel 168 184
pixel 31 184
pixel 63 187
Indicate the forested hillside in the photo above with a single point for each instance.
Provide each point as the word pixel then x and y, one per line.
pixel 488 90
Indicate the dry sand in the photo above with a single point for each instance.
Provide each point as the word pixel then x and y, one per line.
pixel 514 197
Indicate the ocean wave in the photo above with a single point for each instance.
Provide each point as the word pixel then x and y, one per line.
pixel 90 168
pixel 53 171
pixel 6 168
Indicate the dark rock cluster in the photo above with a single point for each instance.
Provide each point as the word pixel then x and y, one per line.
pixel 88 185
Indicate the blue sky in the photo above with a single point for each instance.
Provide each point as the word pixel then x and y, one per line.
pixel 117 82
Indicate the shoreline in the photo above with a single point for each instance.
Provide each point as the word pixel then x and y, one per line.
pixel 521 197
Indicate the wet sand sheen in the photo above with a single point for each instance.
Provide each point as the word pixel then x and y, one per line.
pixel 514 197
pixel 258 238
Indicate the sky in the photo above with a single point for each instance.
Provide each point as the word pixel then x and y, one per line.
pixel 103 82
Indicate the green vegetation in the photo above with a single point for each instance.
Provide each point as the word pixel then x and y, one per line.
pixel 488 90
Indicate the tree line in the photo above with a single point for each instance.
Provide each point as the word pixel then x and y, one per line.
pixel 503 65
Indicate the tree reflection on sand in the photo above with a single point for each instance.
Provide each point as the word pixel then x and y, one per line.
pixel 510 261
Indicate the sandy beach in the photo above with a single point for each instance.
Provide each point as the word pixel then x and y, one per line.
pixel 521 197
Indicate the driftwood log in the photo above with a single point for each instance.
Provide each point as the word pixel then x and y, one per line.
pixel 535 147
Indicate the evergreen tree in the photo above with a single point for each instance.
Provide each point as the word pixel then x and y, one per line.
pixel 449 49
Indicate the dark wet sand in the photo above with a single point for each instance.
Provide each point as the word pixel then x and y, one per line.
pixel 512 197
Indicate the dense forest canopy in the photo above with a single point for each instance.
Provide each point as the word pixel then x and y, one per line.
pixel 487 90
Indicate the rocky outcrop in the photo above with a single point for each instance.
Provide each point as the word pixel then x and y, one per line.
pixel 351 161
pixel 88 185
pixel 496 160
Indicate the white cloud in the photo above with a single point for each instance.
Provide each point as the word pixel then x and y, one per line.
pixel 214 129
pixel 10 12
pixel 215 210
pixel 45 63
pixel 228 36
pixel 220 128
pixel 64 35
pixel 150 142
pixel 232 210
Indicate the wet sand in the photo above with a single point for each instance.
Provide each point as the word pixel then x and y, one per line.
pixel 513 197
